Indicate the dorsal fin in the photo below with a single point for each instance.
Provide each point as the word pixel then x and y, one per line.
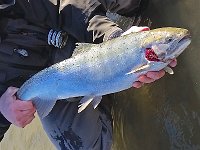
pixel 81 48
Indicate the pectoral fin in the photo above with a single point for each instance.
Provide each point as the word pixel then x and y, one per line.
pixel 44 107
pixel 139 69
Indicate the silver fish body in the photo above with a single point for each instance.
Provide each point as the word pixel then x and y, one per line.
pixel 99 69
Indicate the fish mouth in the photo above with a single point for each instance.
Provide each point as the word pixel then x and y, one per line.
pixel 185 38
pixel 181 45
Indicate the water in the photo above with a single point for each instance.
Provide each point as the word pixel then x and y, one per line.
pixel 164 115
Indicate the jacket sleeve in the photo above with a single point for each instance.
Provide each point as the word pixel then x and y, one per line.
pixel 128 8
pixel 102 26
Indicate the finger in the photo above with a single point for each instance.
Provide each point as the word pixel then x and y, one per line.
pixel 137 84
pixel 24 105
pixel 173 63
pixel 145 29
pixel 20 119
pixel 136 29
pixel 145 79
pixel 155 75
pixel 28 112
pixel 28 121
pixel 11 90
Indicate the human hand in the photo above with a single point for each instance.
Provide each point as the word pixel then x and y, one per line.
pixel 152 76
pixel 19 113
pixel 135 29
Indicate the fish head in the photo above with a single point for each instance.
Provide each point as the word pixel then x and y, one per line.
pixel 165 44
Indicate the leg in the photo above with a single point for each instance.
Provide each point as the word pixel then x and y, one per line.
pixel 69 130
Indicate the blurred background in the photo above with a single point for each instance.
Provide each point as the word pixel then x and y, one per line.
pixel 164 115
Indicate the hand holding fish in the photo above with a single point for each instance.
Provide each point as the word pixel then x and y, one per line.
pixel 19 113
pixel 152 76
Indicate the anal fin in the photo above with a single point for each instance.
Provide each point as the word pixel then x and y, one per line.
pixel 96 101
pixel 84 102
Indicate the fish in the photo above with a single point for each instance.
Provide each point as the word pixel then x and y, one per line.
pixel 95 70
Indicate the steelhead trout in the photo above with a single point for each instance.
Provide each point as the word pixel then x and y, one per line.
pixel 99 69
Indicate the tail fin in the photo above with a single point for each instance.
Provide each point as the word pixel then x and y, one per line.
pixel 44 107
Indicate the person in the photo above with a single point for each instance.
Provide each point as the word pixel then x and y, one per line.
pixel 35 34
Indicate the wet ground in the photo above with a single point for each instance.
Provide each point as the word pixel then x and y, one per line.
pixel 164 115
pixel 32 137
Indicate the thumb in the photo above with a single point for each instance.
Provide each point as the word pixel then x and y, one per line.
pixel 24 105
pixel 136 29
pixel 12 90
